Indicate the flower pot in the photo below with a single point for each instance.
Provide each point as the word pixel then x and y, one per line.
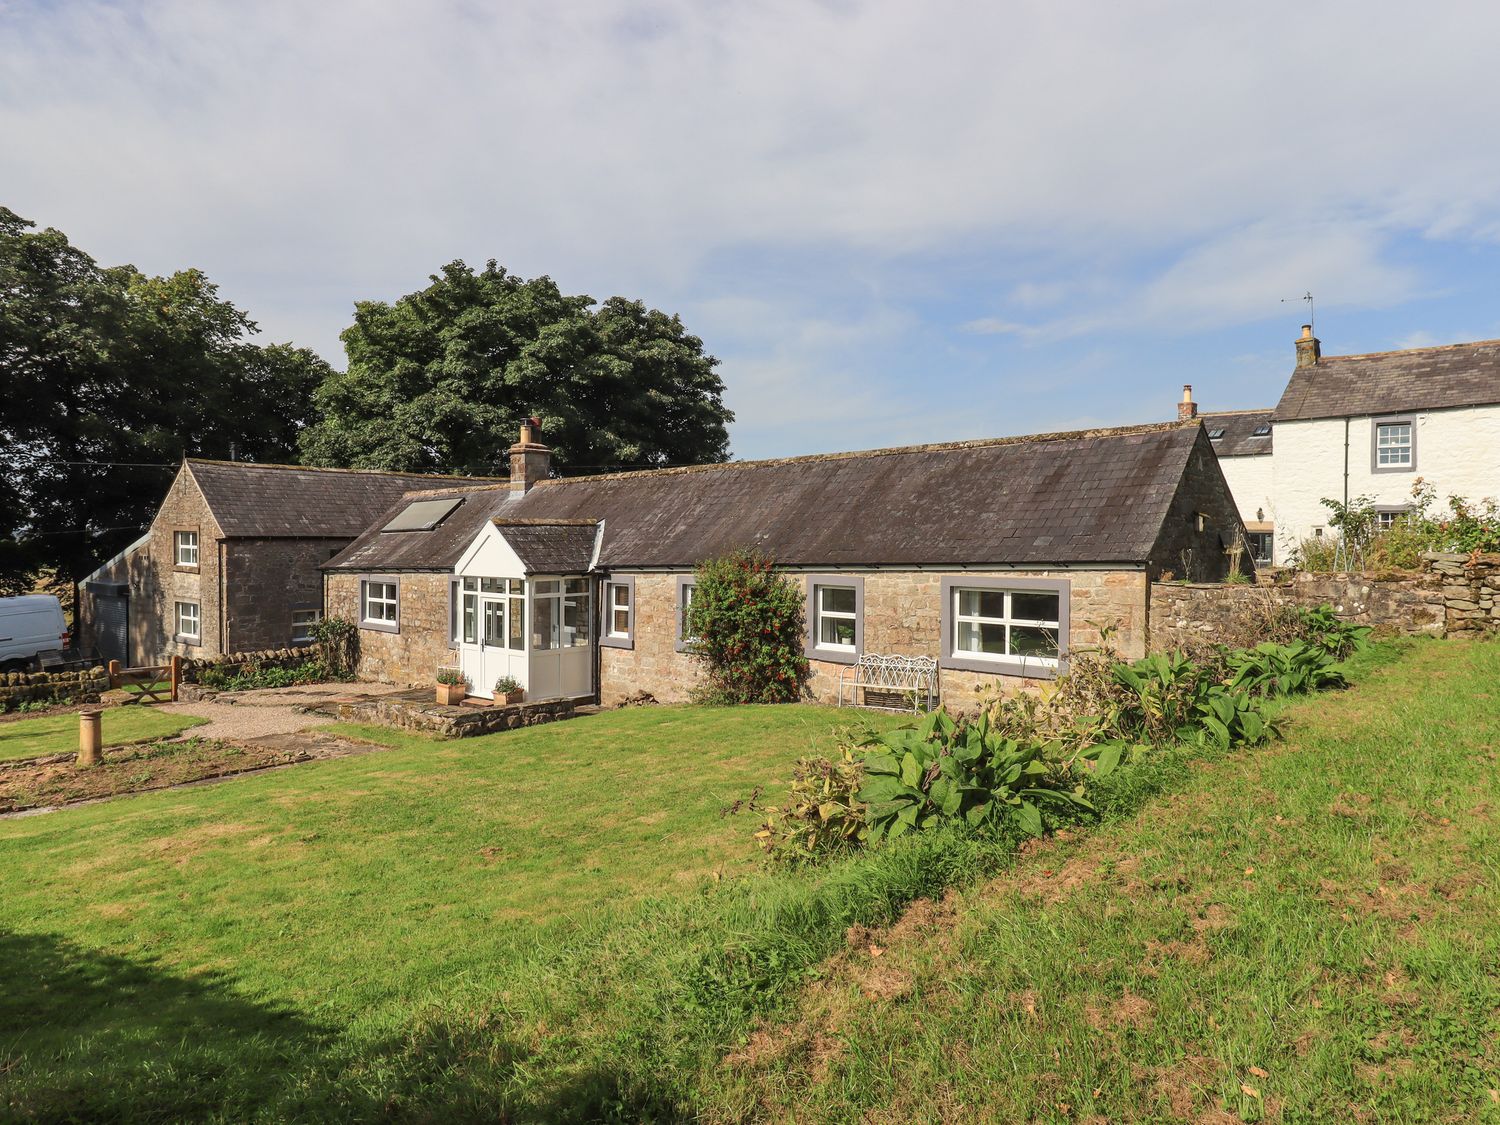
pixel 513 697
pixel 451 694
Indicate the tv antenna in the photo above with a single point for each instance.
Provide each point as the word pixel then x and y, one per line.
pixel 1308 297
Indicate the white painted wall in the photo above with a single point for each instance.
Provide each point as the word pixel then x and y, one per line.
pixel 1457 451
pixel 1251 481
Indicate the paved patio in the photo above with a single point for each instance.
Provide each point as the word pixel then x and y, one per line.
pixel 242 715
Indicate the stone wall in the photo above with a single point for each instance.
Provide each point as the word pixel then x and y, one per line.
pixel 902 617
pixel 1201 520
pixel 192 670
pixel 415 653
pixel 29 687
pixel 453 722
pixel 157 583
pixel 1469 586
pixel 1198 613
pixel 268 579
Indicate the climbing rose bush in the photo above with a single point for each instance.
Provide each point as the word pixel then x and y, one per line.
pixel 746 624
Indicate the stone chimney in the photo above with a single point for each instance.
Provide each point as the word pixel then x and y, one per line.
pixel 1308 349
pixel 1187 409
pixel 530 460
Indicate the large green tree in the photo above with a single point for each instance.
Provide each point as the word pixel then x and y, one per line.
pixel 109 378
pixel 440 380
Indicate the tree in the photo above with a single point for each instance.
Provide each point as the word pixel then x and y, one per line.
pixel 111 377
pixel 441 380
pixel 747 623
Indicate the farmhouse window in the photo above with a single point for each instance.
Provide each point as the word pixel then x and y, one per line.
pixel 686 589
pixel 1395 448
pixel 185 547
pixel 1011 626
pixel 305 625
pixel 188 627
pixel 379 607
pixel 835 618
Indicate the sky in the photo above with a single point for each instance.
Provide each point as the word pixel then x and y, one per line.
pixel 892 222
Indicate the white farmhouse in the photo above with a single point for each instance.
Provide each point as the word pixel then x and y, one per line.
pixel 1369 425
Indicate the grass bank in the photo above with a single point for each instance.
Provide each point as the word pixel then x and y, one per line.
pixel 1308 932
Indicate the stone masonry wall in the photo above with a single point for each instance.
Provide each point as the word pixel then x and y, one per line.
pixel 157 582
pixel 27 687
pixel 902 617
pixel 1470 584
pixel 413 655
pixel 268 579
pixel 1195 613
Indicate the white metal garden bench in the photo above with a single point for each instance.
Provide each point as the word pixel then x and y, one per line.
pixel 890 683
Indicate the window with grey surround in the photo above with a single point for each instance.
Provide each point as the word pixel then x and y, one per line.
pixel 185 548
pixel 305 625
pixel 379 605
pixel 619 613
pixel 685 589
pixel 189 621
pixel 835 617
pixel 1387 518
pixel 1393 445
pixel 1010 626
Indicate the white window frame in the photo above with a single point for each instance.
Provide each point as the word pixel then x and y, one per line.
pixel 609 636
pixel 816 647
pixel 184 548
pixel 381 624
pixel 686 590
pixel 317 617
pixel 179 619
pixel 1013 664
pixel 1380 429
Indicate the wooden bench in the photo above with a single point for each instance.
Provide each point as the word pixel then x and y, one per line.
pixel 890 683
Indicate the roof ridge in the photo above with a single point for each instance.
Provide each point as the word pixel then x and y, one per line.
pixel 334 469
pixel 888 451
pixel 1409 351
pixel 501 521
pixel 1226 413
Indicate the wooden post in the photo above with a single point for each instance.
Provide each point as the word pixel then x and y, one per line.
pixel 175 664
pixel 114 673
pixel 88 738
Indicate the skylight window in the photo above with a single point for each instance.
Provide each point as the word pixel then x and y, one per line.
pixel 423 515
pixel 1262 430
pixel 1215 435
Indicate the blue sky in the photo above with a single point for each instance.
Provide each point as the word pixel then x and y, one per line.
pixel 892 222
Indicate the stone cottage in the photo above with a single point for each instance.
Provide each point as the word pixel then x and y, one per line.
pixel 230 562
pixel 1244 443
pixel 997 558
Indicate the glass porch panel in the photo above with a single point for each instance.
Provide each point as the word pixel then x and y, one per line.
pixel 546 623
pixel 494 623
pixel 517 625
pixel 471 619
pixel 576 631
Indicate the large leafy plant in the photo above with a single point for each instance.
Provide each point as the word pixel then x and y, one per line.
pixel 942 771
pixel 821 815
pixel 746 624
pixel 1272 670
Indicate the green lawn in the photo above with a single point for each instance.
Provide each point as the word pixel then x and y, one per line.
pixel 1306 933
pixel 57 734
pixel 288 936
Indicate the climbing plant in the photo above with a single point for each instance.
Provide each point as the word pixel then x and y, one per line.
pixel 745 625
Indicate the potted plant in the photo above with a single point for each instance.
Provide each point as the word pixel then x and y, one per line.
pixel 452 686
pixel 507 690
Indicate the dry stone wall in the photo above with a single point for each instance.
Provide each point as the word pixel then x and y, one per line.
pixel 1469 585
pixel 31 687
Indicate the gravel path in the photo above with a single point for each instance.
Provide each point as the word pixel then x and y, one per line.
pixel 265 711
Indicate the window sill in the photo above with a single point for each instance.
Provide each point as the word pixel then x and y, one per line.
pixel 380 626
pixel 616 642
pixel 1393 469
pixel 833 655
pixel 184 568
pixel 1008 666
pixel 184 639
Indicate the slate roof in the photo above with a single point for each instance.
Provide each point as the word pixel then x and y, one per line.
pixel 552 546
pixel 1239 427
pixel 1089 497
pixel 1346 386
pixel 275 501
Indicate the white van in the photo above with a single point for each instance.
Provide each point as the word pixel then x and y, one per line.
pixel 29 626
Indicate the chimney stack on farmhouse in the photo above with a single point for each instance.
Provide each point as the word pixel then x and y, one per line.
pixel 530 460
pixel 1187 409
pixel 1308 350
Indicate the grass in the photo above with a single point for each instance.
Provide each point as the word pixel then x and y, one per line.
pixel 1307 933
pixel 288 944
pixel 58 734
pixel 558 924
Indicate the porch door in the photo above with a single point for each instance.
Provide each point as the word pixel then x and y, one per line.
pixel 562 650
pixel 494 633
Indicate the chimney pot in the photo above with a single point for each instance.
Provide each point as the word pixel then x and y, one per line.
pixel 1187 409
pixel 1308 348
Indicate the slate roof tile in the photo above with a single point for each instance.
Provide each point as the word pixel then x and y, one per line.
pixel 1353 386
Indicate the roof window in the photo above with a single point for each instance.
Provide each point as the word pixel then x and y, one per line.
pixel 1262 430
pixel 423 515
pixel 1216 434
